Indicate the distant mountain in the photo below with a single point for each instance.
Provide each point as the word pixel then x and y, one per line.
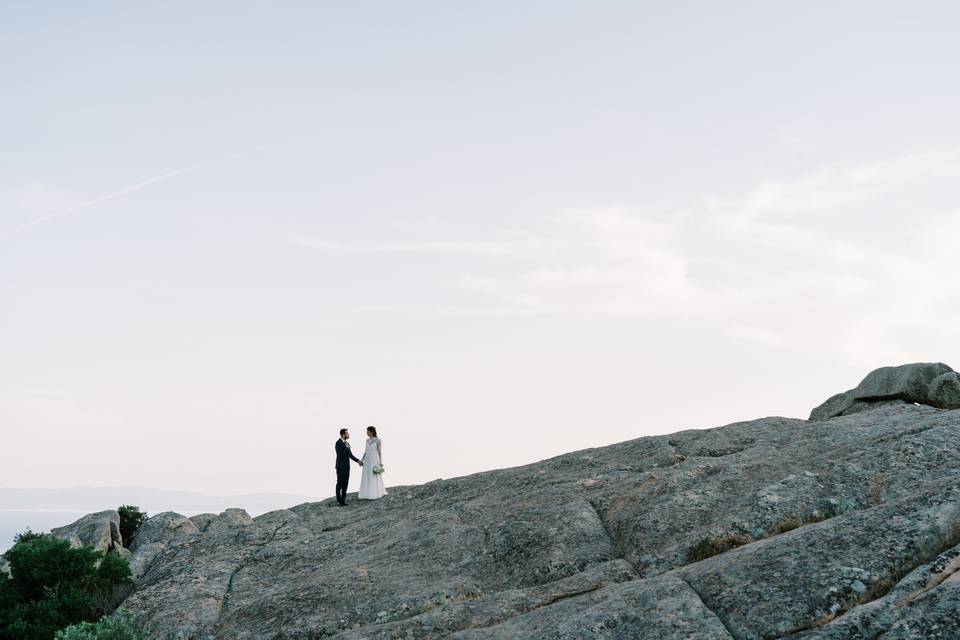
pixel 87 499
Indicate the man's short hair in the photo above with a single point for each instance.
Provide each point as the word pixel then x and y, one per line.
pixel 342 431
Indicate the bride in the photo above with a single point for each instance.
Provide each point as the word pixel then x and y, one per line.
pixel 371 476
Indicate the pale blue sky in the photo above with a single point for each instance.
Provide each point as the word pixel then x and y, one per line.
pixel 498 232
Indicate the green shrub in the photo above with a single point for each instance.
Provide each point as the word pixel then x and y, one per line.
pixel 131 518
pixel 53 585
pixel 788 524
pixel 835 507
pixel 26 536
pixel 120 626
pixel 878 488
pixel 714 544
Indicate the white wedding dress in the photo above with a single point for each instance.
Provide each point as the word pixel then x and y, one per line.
pixel 371 484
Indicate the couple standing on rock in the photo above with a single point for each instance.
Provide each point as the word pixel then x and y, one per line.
pixel 371 478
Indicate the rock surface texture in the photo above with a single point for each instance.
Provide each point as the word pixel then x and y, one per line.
pixel 776 528
pixel 98 530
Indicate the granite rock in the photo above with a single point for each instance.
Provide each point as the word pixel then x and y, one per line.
pixel 930 383
pixel 944 391
pixel 772 528
pixel 153 537
pixel 98 530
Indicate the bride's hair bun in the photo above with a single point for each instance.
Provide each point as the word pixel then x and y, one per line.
pixel 372 430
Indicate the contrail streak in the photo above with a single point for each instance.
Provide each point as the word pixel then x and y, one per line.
pixel 120 192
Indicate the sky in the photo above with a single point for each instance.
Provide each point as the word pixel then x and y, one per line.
pixel 498 232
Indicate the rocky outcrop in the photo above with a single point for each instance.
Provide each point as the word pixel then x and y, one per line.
pixel 944 391
pixel 229 520
pixel 774 528
pixel 933 384
pixel 98 530
pixel 203 520
pixel 154 536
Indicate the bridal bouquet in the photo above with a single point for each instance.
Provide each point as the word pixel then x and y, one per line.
pixel 378 469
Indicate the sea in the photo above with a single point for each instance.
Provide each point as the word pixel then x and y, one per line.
pixel 15 521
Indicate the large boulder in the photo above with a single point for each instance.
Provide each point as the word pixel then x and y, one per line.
pixel 155 535
pixel 98 530
pixel 203 520
pixel 930 383
pixel 908 382
pixel 944 391
pixel 833 406
pixel 160 528
pixel 228 520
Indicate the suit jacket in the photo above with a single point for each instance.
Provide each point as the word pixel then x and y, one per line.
pixel 344 455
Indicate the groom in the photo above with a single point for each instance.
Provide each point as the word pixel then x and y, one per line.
pixel 343 466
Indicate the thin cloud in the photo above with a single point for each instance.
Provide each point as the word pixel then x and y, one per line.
pixel 839 186
pixel 840 256
pixel 124 191
pixel 467 248
pixel 875 279
pixel 98 200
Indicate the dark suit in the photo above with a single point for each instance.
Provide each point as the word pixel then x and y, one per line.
pixel 344 455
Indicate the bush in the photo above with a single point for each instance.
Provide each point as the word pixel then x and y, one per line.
pixel 26 536
pixel 120 626
pixel 835 507
pixel 788 524
pixel 878 488
pixel 131 518
pixel 53 585
pixel 715 544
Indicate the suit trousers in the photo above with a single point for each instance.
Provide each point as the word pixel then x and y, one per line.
pixel 343 479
